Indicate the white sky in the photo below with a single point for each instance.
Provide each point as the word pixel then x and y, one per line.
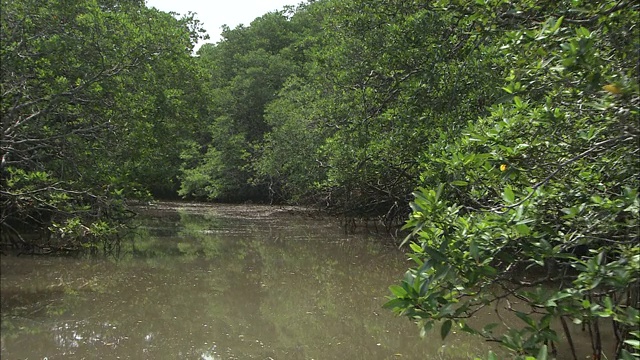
pixel 216 13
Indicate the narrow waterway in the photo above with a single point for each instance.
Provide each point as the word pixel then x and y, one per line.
pixel 217 282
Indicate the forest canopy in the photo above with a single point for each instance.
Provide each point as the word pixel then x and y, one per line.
pixel 98 98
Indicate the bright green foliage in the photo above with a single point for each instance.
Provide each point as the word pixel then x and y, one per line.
pixel 247 69
pixel 288 160
pixel 97 98
pixel 382 80
pixel 330 103
pixel 401 76
pixel 539 200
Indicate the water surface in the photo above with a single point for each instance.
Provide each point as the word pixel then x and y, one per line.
pixel 218 282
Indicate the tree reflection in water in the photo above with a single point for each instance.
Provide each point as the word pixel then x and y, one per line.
pixel 229 282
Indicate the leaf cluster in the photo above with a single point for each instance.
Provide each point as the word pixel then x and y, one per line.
pixel 538 201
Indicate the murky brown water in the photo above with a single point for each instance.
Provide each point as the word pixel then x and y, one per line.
pixel 222 282
pixel 218 282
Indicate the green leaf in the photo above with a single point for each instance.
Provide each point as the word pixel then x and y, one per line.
pixel 508 195
pixel 625 355
pixel 436 255
pixel 439 191
pixel 546 321
pixel 634 343
pixel 416 207
pixel 473 250
pixel 459 183
pixel 445 328
pixel 584 32
pixel 556 26
pixel 466 328
pixel 396 304
pixel 424 287
pixel 415 247
pixel 543 354
pixel 488 271
pixel 426 266
pixel 523 229
pixel 518 102
pixel 527 319
pixel 398 291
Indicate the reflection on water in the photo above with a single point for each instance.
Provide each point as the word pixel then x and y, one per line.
pixel 218 282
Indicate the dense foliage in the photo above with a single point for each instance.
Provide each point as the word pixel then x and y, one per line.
pixel 247 69
pixel 97 97
pixel 334 106
pixel 516 121
pixel 538 202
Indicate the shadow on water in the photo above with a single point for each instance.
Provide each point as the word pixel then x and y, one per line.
pixel 218 282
